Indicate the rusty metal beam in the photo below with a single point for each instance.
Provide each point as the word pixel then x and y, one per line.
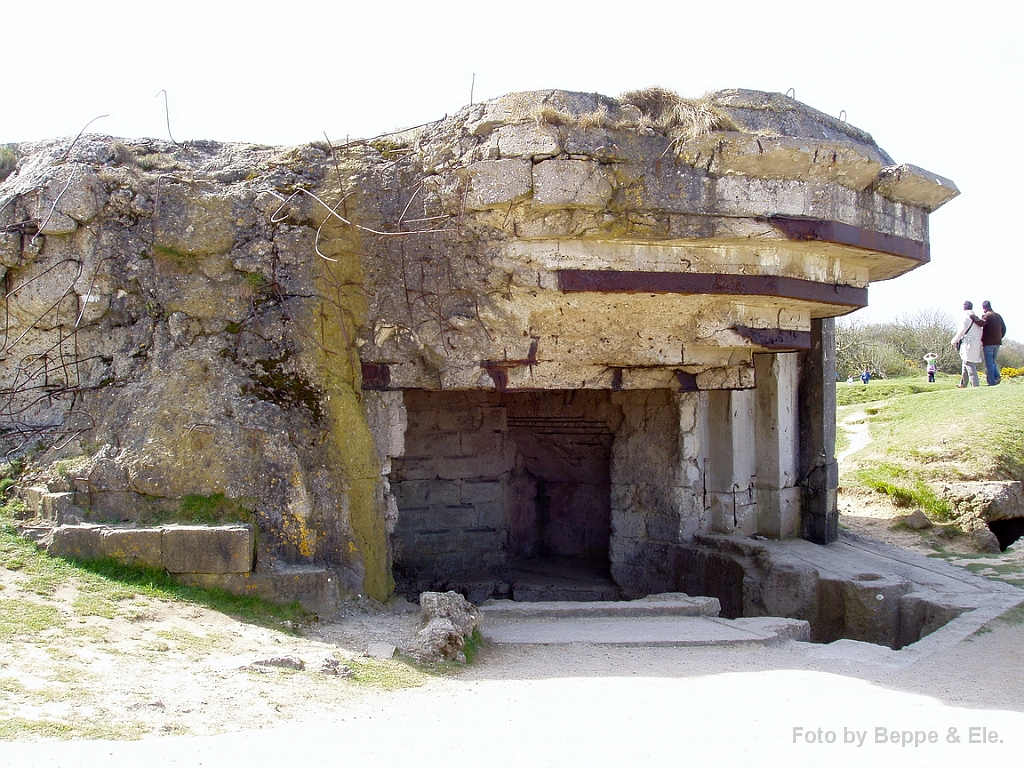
pixel 376 376
pixel 817 230
pixel 611 281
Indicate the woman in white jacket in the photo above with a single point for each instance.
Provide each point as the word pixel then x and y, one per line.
pixel 968 342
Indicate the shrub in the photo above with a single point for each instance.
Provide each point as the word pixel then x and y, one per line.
pixel 8 162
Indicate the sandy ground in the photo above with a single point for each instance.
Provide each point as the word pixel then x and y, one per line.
pixel 183 672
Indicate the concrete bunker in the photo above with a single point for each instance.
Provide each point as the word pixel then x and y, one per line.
pixel 554 326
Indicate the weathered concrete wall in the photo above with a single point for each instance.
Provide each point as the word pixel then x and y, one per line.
pixel 168 336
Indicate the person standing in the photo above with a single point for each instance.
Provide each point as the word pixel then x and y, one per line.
pixel 968 343
pixel 991 339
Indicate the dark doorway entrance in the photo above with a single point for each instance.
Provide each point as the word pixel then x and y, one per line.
pixel 506 494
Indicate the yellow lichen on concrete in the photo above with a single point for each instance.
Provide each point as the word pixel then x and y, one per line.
pixel 339 310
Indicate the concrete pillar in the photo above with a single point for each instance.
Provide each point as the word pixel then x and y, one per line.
pixel 729 461
pixel 777 445
pixel 819 472
pixel 656 487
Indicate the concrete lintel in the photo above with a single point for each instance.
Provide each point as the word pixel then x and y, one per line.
pixel 776 339
pixel 614 281
pixel 817 230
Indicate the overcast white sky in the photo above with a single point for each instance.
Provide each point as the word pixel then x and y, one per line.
pixel 937 85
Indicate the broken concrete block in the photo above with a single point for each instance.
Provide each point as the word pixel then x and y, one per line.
pixel 909 184
pixel 528 140
pixel 723 153
pixel 571 184
pixel 496 183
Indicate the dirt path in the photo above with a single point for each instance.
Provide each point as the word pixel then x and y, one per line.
pixel 855 425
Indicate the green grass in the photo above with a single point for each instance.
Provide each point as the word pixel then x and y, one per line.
pixel 389 674
pixel 18 727
pixel 214 509
pixel 906 488
pixel 949 433
pixel 19 617
pixel 1013 616
pixel 923 435
pixel 883 389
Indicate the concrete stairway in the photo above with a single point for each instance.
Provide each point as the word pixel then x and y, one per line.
pixel 667 619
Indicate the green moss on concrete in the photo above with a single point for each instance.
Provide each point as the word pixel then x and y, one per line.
pixel 338 312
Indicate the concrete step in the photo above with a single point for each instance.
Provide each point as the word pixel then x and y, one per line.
pixel 313 587
pixel 666 619
pixel 645 631
pixel 667 604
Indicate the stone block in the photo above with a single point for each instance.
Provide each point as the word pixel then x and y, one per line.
pixel 533 141
pixel 454 419
pixel 205 549
pixel 490 513
pixel 480 443
pixel 662 528
pixel 452 516
pixel 59 506
pixel 497 464
pixel 436 541
pixel 494 420
pixel 418 493
pixel 478 491
pixel 778 512
pixel 571 184
pixel 435 443
pixel 675 188
pixel 482 540
pixel 138 546
pixel 414 468
pixel 79 542
pixel 317 590
pixel 388 421
pixel 730 512
pixel 33 495
pixel 625 523
pixel 458 467
pixel 498 183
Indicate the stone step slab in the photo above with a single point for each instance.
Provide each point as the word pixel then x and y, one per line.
pixel 666 604
pixel 173 548
pixel 315 589
pixel 647 631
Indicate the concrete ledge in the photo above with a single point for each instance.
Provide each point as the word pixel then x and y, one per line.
pixel 667 604
pixel 647 631
pixel 177 549
pixel 315 589
pixel 200 549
